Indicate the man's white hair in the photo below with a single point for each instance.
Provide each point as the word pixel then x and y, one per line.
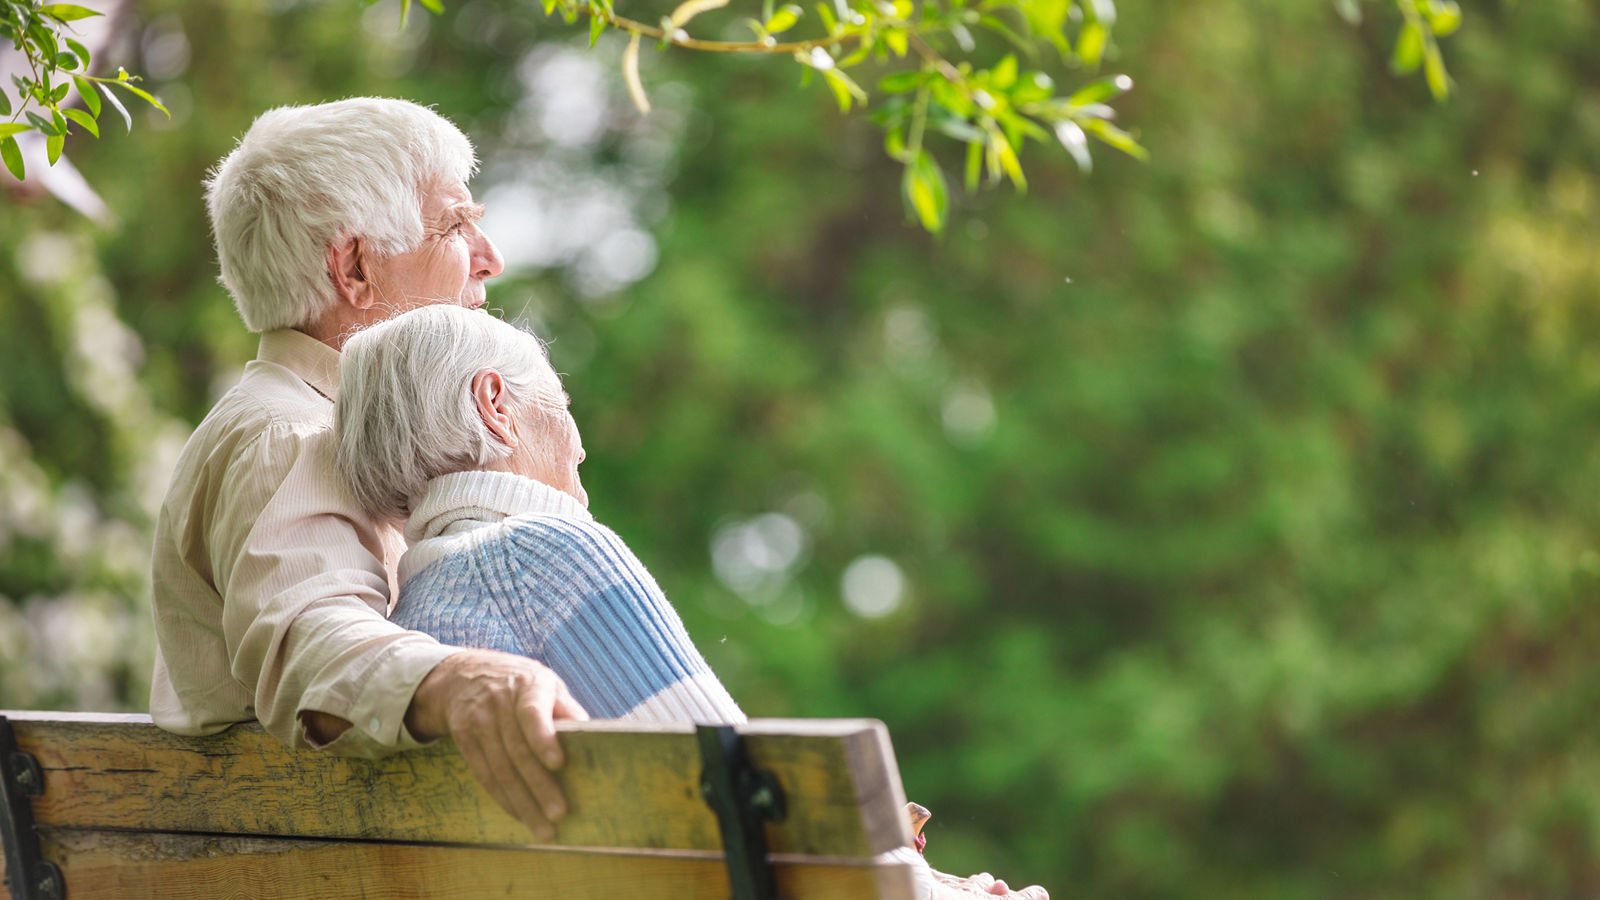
pixel 406 412
pixel 304 177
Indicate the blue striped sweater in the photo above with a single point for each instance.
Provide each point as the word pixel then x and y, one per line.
pixel 504 562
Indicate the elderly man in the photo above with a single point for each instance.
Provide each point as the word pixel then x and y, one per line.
pixel 271 586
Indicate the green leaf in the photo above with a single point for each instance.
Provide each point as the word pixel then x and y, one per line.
pixel 87 92
pixel 7 129
pixel 894 144
pixel 1444 17
pixel 433 6
pixel 597 25
pixel 1101 90
pixel 45 40
pixel 1433 70
pixel 1046 17
pixel 52 147
pixel 68 61
pixel 999 27
pixel 5 104
pixel 40 122
pixel 145 95
pixel 12 154
pixel 974 164
pixel 84 120
pixel 826 15
pixel 1033 87
pixel 1020 127
pixel 81 51
pixel 405 13
pixel 106 89
pixel 67 12
pixel 784 19
pixel 1092 42
pixel 1004 73
pixel 1116 137
pixel 1050 20
pixel 859 54
pixel 1009 162
pixel 898 41
pixel 926 192
pixel 1407 50
pixel 901 82
pixel 844 88
pixel 60 92
pixel 959 129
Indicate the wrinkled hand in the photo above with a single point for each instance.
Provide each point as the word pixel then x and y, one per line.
pixel 982 885
pixel 500 709
pixel 983 881
pixel 950 887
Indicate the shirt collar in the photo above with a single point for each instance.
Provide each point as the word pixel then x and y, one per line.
pixel 316 363
pixel 484 497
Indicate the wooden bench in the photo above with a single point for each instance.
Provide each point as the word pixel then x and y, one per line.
pixel 112 806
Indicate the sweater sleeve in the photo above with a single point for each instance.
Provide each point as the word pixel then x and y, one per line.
pixel 598 618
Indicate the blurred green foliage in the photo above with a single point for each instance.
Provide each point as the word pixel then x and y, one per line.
pixel 1216 526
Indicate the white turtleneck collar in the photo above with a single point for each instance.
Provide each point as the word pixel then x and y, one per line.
pixel 461 501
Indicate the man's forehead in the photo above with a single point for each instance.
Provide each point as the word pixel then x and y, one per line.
pixel 445 196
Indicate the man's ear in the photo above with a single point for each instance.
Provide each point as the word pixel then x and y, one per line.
pixel 489 395
pixel 347 268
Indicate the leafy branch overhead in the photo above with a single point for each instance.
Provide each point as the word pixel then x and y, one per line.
pixel 971 74
pixel 935 85
pixel 57 63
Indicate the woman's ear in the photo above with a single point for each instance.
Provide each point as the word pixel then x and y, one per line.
pixel 348 270
pixel 489 395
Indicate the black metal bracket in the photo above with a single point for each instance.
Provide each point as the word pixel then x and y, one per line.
pixel 28 874
pixel 743 797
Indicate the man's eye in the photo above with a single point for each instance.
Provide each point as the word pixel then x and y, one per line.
pixel 458 227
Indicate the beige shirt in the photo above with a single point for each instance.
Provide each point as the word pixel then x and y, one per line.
pixel 271 587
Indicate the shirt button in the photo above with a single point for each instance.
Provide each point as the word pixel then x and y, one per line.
pixel 373 726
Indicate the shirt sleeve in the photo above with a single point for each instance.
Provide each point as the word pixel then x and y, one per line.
pixel 305 599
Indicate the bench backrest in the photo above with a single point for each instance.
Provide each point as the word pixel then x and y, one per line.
pixel 129 810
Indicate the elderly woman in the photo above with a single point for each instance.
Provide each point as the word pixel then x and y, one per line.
pixel 456 419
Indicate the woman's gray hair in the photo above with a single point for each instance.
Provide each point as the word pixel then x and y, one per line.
pixel 406 412
pixel 303 177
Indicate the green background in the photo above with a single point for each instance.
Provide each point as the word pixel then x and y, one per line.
pixel 1229 520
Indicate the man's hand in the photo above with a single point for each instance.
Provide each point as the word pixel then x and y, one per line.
pixel 500 709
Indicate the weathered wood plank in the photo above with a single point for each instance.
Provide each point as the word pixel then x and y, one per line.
pixel 128 866
pixel 628 786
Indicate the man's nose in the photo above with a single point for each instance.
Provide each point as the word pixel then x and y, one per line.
pixel 486 260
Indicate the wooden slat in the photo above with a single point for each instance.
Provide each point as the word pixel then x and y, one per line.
pixel 628 786
pixel 127 866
